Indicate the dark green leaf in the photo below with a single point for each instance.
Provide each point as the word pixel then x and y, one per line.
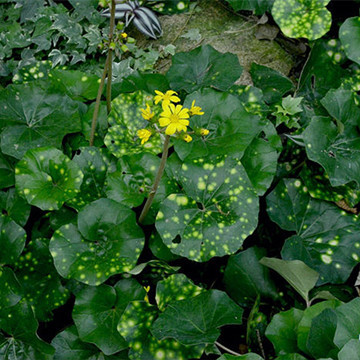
pixel 12 205
pixel 258 6
pixel 7 176
pixel 215 215
pixel 107 242
pixel 10 289
pixel 47 178
pixel 197 320
pixel 243 285
pixel 249 356
pixel 349 35
pixel 282 331
pixel 203 67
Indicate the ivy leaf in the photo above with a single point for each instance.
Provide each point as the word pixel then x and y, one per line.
pixel 10 289
pixel 349 35
pixel 296 273
pixel 282 331
pixel 39 279
pixel 302 18
pixel 227 121
pixel 125 120
pixel 22 342
pixel 97 312
pixel 319 226
pixel 203 67
pixel 216 213
pixel 135 325
pixel 245 286
pixel 76 84
pixel 175 288
pixel 12 240
pixel 31 116
pixel 14 206
pixel 272 83
pixel 192 35
pixel 58 58
pixel 47 178
pixel 68 346
pixel 337 152
pixel 107 242
pixel 197 320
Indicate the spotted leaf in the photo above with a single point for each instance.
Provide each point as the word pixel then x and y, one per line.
pixel 197 320
pixel 14 206
pixel 302 18
pixel 326 237
pixel 349 35
pixel 47 178
pixel 10 289
pixel 216 213
pixel 107 242
pixel 135 325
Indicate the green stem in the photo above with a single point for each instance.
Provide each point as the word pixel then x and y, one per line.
pixel 109 74
pixel 159 174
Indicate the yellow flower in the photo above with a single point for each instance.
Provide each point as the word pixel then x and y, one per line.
pixel 175 118
pixel 187 138
pixel 195 110
pixel 166 98
pixel 146 113
pixel 144 135
pixel 204 132
pixel 124 35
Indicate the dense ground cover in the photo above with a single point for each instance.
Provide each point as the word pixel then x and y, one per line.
pixel 247 246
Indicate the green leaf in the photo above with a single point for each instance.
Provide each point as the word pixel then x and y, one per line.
pixel 31 116
pixel 227 121
pixel 175 288
pixel 203 67
pixel 14 206
pixel 260 163
pixel 296 273
pixel 272 83
pixel 292 357
pixel 192 35
pixel 305 324
pixel 302 18
pixel 10 289
pixel 7 176
pixel 337 152
pixel 249 356
pixel 97 312
pixel 159 249
pixel 125 120
pixel 258 6
pixel 93 164
pixel 216 213
pixel 170 6
pixel 68 346
pixel 135 325
pixel 320 340
pixel 348 322
pixel 350 351
pixel 107 242
pixel 245 286
pixel 22 342
pixel 12 240
pixel 47 178
pixel 40 281
pixel 76 84
pixel 197 320
pixel 282 331
pixel 349 35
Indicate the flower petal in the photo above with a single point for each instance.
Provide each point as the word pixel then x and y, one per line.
pixel 164 121
pixel 171 129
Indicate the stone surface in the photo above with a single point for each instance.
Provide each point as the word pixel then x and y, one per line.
pixel 226 32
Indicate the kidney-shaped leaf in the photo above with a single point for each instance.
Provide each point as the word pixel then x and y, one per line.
pixel 203 67
pixel 197 320
pixel 107 241
pixel 349 35
pixel 216 214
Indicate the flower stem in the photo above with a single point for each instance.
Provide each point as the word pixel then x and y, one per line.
pixel 110 53
pixel 226 349
pixel 159 174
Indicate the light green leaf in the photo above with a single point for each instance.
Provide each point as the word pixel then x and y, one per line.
pixel 282 331
pixel 350 351
pixel 216 213
pixel 47 178
pixel 296 273
pixel 203 67
pixel 192 35
pixel 197 320
pixel 107 242
pixel 349 35
pixel 302 18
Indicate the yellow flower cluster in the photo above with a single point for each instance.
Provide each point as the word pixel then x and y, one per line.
pixel 174 118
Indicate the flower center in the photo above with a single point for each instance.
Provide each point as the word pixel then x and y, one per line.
pixel 174 118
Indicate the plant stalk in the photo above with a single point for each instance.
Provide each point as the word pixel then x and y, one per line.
pixel 110 53
pixel 159 175
pixel 227 349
